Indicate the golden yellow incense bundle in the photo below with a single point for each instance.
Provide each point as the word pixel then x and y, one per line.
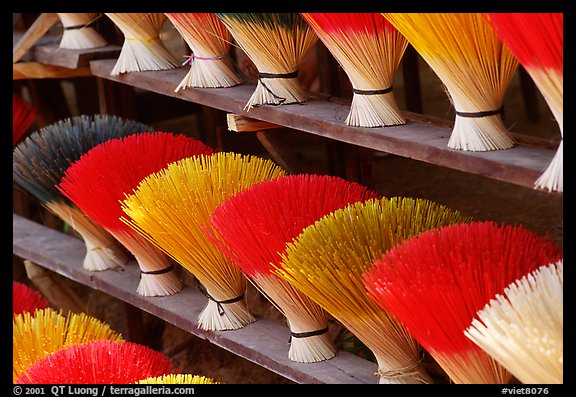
pixel 143 48
pixel 523 328
pixel 171 207
pixel 475 67
pixel 276 43
pixel 210 62
pixel 179 379
pixel 36 335
pixel 327 260
pixel 79 32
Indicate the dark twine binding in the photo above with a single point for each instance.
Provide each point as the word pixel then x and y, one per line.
pixel 373 92
pixel 276 76
pixel 204 291
pixel 75 27
pixel 308 334
pixel 161 271
pixel 481 114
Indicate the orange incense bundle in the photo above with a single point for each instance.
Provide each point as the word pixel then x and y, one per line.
pixel 79 32
pixel 210 62
pixel 276 43
pixel 178 379
pixel 26 299
pixel 475 67
pixel 171 207
pixel 104 175
pixel 369 49
pixel 253 227
pixel 23 115
pixel 537 40
pixel 435 282
pixel 98 362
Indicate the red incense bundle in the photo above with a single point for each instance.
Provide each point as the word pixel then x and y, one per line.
pixel 98 362
pixel 369 49
pixel 435 282
pixel 26 299
pixel 537 40
pixel 104 175
pixel 23 115
pixel 252 229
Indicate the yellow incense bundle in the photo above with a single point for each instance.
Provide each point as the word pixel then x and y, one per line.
pixel 327 260
pixel 143 48
pixel 36 335
pixel 210 41
pixel 171 207
pixel 523 328
pixel 179 379
pixel 475 67
pixel 79 32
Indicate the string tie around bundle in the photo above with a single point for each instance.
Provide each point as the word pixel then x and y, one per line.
pixel 307 334
pixel 263 75
pixel 219 304
pixel 214 58
pixel 147 40
pixel 409 370
pixel 157 272
pixel 373 92
pixel 482 114
pixel 90 24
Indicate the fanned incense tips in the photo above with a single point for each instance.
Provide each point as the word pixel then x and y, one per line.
pixel 435 282
pixel 252 229
pixel 40 160
pixel 79 32
pixel 26 299
pixel 170 208
pixel 327 260
pixel 23 116
pixel 178 379
pixel 104 175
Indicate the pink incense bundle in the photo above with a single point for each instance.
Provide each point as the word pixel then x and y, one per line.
pixel 369 49
pixel 537 40
pixel 252 229
pixel 23 115
pixel 26 299
pixel 435 283
pixel 98 362
pixel 104 175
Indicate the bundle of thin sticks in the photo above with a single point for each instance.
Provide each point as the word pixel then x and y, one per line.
pixel 143 48
pixel 23 116
pixel 210 42
pixel 537 40
pixel 180 379
pixel 475 67
pixel 104 175
pixel 79 32
pixel 98 362
pixel 522 328
pixel 252 229
pixel 38 334
pixel 369 49
pixel 26 299
pixel 40 160
pixel 170 208
pixel 435 282
pixel 276 43
pixel 327 261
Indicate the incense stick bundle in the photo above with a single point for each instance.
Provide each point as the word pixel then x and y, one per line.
pixel 101 178
pixel 98 362
pixel 252 229
pixel 143 48
pixel 79 32
pixel 45 331
pixel 210 41
pixel 170 207
pixel 179 379
pixel 537 40
pixel 475 67
pixel 523 327
pixel 276 43
pixel 369 49
pixel 26 299
pixel 39 162
pixel 327 260
pixel 23 116
pixel 435 282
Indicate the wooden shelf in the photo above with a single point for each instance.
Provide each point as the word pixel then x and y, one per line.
pixel 263 342
pixel 419 139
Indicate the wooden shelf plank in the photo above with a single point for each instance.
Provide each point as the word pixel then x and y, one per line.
pixel 263 342
pixel 52 54
pixel 418 139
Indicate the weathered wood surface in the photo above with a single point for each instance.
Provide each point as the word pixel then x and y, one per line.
pixel 263 342
pixel 54 55
pixel 418 139
pixel 28 39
